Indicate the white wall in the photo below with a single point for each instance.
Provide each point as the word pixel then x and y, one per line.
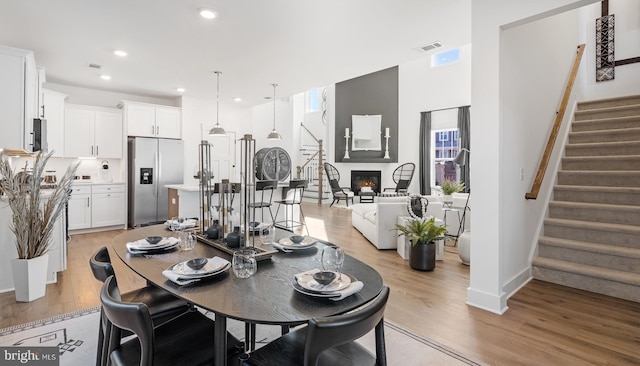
pixel 422 89
pixel 198 117
pixel 102 98
pixel 627 34
pixel 535 61
pixel 491 232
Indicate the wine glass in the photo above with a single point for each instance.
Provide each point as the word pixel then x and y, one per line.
pixel 267 234
pixel 332 259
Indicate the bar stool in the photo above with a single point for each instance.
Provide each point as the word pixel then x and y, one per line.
pixel 266 188
pixel 293 197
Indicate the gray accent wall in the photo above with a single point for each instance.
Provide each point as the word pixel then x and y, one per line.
pixel 372 94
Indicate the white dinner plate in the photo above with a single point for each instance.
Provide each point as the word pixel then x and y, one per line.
pixel 213 265
pixel 196 274
pixel 307 242
pixel 308 283
pixel 302 290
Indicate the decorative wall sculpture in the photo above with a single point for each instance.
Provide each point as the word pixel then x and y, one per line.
pixel 605 55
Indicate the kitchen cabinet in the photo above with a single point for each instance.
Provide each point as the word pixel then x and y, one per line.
pixel 92 132
pixel 52 111
pixel 96 206
pixel 18 97
pixel 107 205
pixel 79 205
pixel 151 120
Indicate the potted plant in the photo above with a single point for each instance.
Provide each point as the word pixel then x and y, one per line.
pixel 450 187
pixel 423 234
pixel 33 218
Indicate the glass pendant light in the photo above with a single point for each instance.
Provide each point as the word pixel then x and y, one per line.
pixel 217 130
pixel 274 135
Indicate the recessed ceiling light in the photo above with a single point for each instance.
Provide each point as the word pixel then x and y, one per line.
pixel 237 99
pixel 120 53
pixel 181 90
pixel 207 13
pixel 105 77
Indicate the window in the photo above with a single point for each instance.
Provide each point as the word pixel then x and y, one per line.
pixel 446 57
pixel 313 100
pixel 445 149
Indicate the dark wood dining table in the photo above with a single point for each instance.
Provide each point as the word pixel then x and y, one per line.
pixel 268 297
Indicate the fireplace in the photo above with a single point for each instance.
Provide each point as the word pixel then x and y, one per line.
pixel 365 178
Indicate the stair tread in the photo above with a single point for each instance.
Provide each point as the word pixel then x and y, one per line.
pixel 607 172
pixel 599 144
pixel 609 100
pixel 602 157
pixel 599 189
pixel 601 132
pixel 606 119
pixel 604 226
pixel 591 247
pixel 587 270
pixel 614 108
pixel 599 206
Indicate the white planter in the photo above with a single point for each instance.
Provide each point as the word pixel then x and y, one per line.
pixel 30 277
pixel 447 198
pixel 464 247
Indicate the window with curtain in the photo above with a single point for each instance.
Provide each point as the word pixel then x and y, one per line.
pixel 444 148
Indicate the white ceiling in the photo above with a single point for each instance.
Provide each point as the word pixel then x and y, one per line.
pixel 298 44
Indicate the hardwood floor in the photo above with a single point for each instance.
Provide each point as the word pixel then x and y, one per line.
pixel 546 324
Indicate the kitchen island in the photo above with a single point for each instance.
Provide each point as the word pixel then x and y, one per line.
pixel 184 201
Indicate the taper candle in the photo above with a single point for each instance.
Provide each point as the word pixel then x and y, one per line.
pixel 346 131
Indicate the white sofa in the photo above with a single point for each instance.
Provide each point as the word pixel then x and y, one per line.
pixel 376 221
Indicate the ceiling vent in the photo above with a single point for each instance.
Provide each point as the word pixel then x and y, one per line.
pixel 430 46
pixel 95 66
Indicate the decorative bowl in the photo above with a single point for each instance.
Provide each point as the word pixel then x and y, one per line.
pixel 197 263
pixel 296 239
pixel 153 239
pixel 324 277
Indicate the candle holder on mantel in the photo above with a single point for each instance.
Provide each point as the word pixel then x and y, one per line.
pixel 346 144
pixel 386 149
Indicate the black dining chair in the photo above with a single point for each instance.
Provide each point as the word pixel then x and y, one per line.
pixel 185 340
pixel 339 193
pixel 329 341
pixel 293 197
pixel 162 305
pixel 266 188
pixel 402 177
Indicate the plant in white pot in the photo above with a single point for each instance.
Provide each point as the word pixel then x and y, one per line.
pixel 450 187
pixel 34 215
pixel 423 234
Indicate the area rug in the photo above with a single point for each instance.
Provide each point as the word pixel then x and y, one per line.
pixel 76 335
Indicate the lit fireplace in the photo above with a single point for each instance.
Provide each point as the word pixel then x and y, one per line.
pixel 365 178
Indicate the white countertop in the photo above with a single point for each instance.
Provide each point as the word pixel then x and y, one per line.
pixel 184 187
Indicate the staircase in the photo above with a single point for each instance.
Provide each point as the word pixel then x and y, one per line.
pixel 591 238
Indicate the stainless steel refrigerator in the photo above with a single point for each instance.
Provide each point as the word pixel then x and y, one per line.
pixel 153 163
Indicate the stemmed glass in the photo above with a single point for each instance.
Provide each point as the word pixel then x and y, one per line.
pixel 332 259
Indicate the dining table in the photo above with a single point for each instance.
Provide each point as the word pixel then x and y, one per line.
pixel 267 297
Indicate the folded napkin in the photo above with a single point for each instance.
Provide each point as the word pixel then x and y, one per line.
pixel 281 248
pixel 217 262
pixel 186 224
pixel 177 279
pixel 143 245
pixel 353 288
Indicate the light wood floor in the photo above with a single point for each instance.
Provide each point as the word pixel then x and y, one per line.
pixel 546 324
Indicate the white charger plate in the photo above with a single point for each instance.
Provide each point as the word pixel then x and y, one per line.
pixel 307 242
pixel 313 285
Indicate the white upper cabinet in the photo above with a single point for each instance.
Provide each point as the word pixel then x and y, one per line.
pixel 52 110
pixel 19 90
pixel 92 132
pixel 150 120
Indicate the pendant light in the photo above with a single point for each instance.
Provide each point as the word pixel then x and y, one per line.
pixel 217 130
pixel 274 135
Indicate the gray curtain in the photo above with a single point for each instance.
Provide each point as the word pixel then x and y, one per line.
pixel 464 118
pixel 424 166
